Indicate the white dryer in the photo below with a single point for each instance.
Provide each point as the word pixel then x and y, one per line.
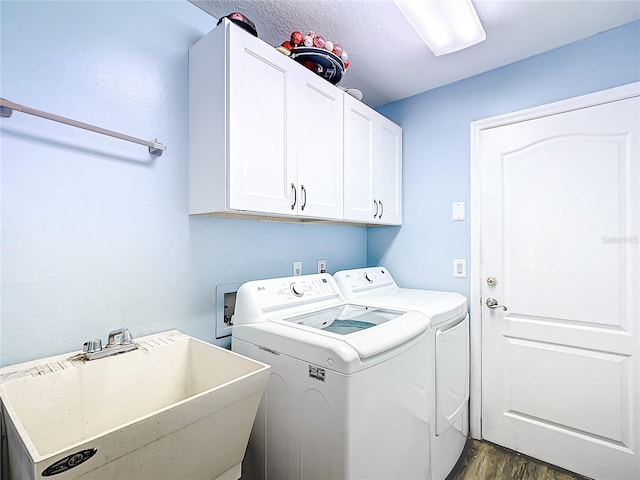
pixel 347 397
pixel 448 364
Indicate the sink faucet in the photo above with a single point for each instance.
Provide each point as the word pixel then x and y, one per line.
pixel 120 340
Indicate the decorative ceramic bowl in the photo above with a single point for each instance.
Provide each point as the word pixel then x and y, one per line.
pixel 325 63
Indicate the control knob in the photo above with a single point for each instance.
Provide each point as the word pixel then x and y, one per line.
pixel 296 290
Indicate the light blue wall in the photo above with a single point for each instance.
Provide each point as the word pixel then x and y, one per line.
pixel 436 144
pixel 95 231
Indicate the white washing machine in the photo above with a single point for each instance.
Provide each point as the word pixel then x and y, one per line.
pixel 449 354
pixel 347 397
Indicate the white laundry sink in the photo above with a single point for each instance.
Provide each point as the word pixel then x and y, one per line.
pixel 175 408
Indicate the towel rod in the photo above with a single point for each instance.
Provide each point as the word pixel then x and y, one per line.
pixel 155 147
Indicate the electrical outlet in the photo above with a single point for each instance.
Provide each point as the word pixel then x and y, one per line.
pixel 297 268
pixel 322 266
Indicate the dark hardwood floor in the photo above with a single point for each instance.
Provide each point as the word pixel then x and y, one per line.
pixel 485 461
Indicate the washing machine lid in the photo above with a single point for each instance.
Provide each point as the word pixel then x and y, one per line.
pixel 345 319
pixel 368 330
pixel 376 286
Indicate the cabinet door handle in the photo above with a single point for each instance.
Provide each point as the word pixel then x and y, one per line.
pixel 295 196
pixel 375 215
pixel 304 198
pixel 381 209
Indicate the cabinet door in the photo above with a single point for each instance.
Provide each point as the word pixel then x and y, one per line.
pixel 388 171
pixel 319 131
pixel 261 157
pixel 358 161
pixel 372 166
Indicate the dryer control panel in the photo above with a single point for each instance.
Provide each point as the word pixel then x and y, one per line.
pixel 363 279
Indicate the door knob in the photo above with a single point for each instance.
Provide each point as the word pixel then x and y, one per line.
pixel 493 304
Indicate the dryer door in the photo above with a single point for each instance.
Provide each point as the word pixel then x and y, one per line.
pixel 452 373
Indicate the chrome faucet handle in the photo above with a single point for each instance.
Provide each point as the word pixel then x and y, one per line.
pixel 92 346
pixel 126 337
pixel 120 336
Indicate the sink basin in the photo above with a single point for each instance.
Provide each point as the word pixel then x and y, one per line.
pixel 175 408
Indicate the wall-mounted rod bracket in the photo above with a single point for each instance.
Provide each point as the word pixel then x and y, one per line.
pixel 7 108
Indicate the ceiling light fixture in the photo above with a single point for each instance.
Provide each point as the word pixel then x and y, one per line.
pixel 446 26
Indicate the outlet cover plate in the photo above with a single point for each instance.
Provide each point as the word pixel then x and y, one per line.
pixel 458 213
pixel 322 266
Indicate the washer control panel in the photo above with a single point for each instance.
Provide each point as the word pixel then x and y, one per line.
pixel 313 287
pixel 291 291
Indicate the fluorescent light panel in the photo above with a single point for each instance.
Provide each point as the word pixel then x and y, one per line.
pixel 446 26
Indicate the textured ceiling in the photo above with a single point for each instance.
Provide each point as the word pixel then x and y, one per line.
pixel 388 59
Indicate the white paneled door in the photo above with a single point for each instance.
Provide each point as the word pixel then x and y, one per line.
pixel 559 204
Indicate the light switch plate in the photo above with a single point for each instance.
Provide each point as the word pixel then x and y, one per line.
pixel 459 268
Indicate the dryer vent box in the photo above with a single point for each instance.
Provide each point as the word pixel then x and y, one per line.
pixel 225 308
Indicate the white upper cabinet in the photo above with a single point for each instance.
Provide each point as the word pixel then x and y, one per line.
pixel 261 148
pixel 267 137
pixel 319 126
pixel 241 135
pixel 372 166
pixel 387 170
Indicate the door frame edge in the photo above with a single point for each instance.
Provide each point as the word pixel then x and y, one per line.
pixel 475 306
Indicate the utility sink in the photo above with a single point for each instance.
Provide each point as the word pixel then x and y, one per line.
pixel 175 408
